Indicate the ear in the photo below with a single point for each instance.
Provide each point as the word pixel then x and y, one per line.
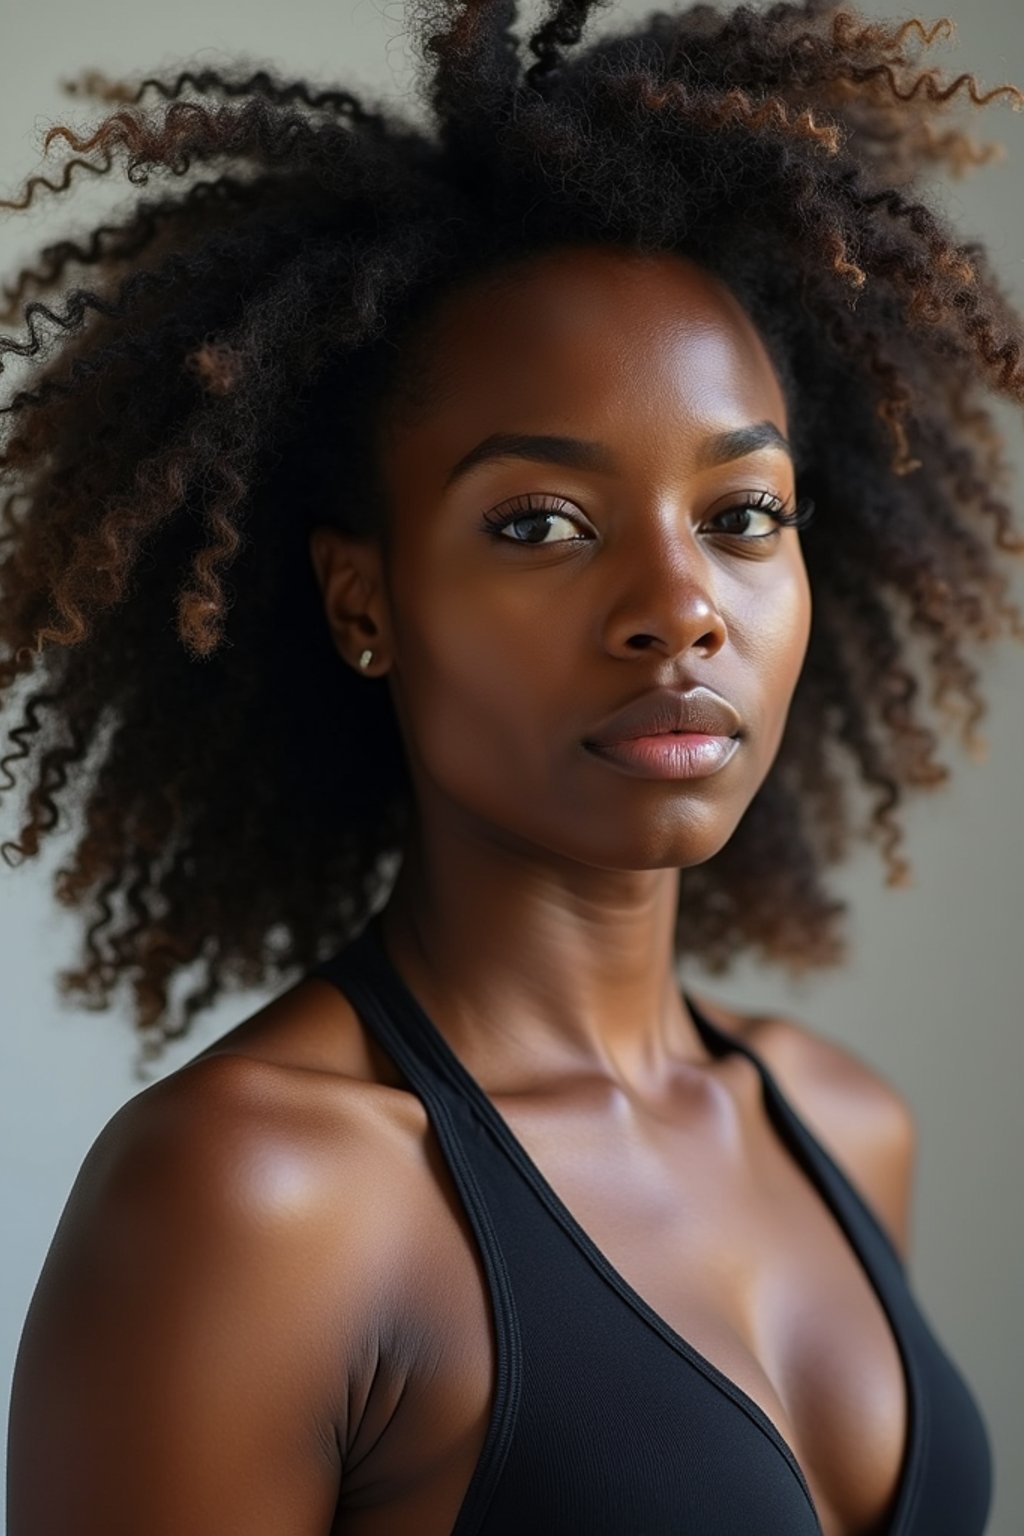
pixel 350 576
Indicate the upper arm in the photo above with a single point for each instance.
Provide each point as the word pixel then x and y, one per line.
pixel 183 1363
pixel 856 1113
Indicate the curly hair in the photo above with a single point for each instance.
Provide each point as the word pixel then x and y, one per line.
pixel 217 390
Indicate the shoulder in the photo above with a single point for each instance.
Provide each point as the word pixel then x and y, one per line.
pixel 859 1116
pixel 237 1121
pixel 208 1194
pixel 215 1283
pixel 240 1152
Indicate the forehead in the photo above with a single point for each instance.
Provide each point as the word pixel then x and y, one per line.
pixel 614 338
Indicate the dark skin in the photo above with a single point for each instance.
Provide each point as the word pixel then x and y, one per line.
pixel 236 1330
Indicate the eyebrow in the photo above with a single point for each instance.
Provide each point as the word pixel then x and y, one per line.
pixel 579 453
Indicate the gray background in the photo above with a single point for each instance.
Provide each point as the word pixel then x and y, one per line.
pixel 932 994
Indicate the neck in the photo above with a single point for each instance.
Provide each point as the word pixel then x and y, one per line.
pixel 532 969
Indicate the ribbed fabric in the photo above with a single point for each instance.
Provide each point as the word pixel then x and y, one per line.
pixel 605 1421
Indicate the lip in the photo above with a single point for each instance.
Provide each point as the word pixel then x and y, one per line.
pixel 688 755
pixel 666 712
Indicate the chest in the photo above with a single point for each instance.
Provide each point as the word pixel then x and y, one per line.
pixel 720 1231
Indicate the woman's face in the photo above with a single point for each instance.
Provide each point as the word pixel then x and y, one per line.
pixel 508 649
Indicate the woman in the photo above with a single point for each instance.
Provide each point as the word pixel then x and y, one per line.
pixel 421 527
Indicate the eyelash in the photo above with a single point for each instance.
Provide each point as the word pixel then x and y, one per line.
pixel 526 508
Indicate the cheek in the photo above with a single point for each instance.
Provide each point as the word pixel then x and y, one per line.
pixel 784 629
pixel 776 646
pixel 482 681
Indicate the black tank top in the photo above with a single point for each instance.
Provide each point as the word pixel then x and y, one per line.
pixel 605 1422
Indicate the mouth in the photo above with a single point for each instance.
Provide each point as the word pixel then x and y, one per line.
pixel 668 755
pixel 670 713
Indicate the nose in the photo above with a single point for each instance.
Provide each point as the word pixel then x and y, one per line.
pixel 664 598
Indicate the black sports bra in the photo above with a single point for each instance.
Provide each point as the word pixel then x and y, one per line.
pixel 605 1422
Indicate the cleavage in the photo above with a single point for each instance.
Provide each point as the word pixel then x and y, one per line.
pixel 707 1215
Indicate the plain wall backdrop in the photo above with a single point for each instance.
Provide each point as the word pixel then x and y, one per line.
pixel 932 993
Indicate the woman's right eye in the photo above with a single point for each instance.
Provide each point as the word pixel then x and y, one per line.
pixel 526 513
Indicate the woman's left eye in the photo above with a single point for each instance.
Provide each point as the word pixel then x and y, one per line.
pixel 767 506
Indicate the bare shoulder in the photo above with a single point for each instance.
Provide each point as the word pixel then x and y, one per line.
pixel 860 1116
pixel 214 1285
pixel 279 1161
pixel 244 1134
pixel 232 1166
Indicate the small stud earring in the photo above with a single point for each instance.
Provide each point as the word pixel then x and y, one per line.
pixel 365 658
